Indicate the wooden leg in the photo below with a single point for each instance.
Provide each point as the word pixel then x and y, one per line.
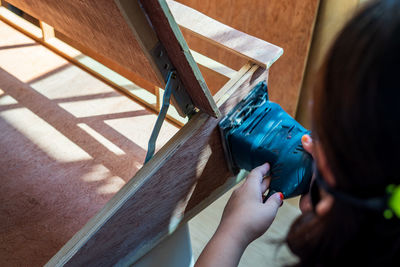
pixel 187 174
pixel 47 30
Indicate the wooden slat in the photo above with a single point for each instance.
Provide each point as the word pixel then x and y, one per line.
pixel 171 37
pixel 286 23
pixel 188 173
pixel 251 48
pixel 97 25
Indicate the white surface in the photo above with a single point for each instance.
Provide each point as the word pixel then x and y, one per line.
pixel 174 251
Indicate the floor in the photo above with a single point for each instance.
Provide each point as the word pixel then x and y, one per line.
pixel 68 143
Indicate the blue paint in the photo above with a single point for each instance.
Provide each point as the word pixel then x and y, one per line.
pixel 258 131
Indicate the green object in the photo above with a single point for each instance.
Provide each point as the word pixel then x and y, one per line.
pixel 394 199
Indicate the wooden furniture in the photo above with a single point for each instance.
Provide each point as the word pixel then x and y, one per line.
pixel 286 23
pixel 189 171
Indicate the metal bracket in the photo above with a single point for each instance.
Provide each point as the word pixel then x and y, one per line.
pixel 171 82
pixel 180 98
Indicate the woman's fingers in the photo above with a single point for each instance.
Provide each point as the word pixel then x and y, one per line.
pixel 258 180
pixel 264 185
pixel 258 174
pixel 308 145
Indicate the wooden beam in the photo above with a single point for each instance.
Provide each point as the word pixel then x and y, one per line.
pixel 178 52
pixel 180 180
pixel 251 48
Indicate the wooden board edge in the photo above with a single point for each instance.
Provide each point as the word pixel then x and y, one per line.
pixel 185 48
pixel 192 20
pixel 172 40
pixel 142 30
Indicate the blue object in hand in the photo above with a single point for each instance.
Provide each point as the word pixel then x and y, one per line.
pixel 258 131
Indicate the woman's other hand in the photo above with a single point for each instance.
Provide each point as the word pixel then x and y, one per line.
pixel 245 216
pixel 307 143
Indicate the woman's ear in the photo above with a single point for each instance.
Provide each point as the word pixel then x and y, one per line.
pixel 326 202
pixel 323 165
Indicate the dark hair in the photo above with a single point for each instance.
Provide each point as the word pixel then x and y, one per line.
pixel 356 116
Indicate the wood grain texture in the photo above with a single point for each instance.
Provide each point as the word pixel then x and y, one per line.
pixel 178 52
pixel 251 48
pixel 286 23
pixel 68 143
pixel 163 193
pixel 97 25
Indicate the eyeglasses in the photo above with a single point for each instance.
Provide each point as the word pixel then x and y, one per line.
pixel 316 184
pixel 379 204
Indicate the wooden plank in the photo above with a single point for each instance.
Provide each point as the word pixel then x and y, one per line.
pixel 21 24
pixel 232 60
pixel 164 193
pixel 178 52
pixel 131 90
pixel 251 48
pixel 31 30
pixel 91 23
pixel 286 23
pixel 115 66
pixel 331 18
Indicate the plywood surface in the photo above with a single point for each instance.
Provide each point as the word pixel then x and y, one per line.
pixel 249 47
pixel 97 25
pixel 188 173
pixel 124 38
pixel 286 23
pixel 178 51
pixel 68 143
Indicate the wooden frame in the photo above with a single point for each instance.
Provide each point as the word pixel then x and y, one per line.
pixel 166 193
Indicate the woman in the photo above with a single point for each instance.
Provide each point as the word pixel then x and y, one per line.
pixel 356 146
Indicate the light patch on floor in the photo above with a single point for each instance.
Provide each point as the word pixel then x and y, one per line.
pixel 101 139
pixel 55 144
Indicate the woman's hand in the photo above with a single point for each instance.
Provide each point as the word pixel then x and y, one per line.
pixel 245 218
pixel 307 143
